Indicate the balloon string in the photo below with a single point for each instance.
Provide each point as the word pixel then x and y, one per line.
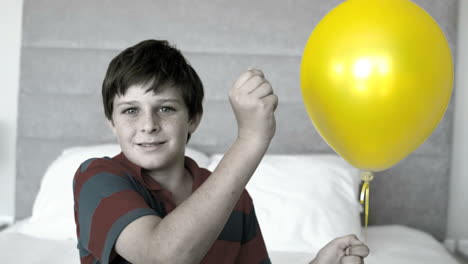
pixel 367 177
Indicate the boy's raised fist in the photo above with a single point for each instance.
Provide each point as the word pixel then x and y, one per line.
pixel 254 103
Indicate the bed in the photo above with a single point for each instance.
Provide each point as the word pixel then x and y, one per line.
pixel 318 194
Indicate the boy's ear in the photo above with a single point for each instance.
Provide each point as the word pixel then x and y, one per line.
pixel 194 122
pixel 110 123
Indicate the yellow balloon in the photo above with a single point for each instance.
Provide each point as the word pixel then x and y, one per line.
pixel 376 79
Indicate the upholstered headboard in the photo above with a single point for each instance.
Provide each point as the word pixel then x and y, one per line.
pixel 67 46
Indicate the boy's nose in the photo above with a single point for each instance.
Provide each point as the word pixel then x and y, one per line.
pixel 150 123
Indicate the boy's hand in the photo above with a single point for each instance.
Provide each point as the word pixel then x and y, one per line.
pixel 343 250
pixel 254 103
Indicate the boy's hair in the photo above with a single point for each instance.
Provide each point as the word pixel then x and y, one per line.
pixel 154 62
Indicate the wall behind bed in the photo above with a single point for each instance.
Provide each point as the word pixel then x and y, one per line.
pixel 10 26
pixel 67 45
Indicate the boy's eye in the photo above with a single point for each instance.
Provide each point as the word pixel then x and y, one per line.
pixel 166 109
pixel 130 111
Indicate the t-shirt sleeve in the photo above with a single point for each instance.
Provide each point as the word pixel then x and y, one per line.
pixel 253 249
pixel 106 201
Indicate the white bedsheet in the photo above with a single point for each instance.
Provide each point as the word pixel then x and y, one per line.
pixel 404 245
pixel 388 244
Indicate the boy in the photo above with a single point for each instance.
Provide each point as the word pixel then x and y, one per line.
pixel 150 203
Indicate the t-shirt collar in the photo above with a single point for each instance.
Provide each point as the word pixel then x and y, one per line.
pixel 138 173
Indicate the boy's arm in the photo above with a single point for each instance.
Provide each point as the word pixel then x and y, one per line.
pixel 187 233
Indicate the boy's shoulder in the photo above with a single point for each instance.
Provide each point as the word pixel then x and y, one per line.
pixel 96 163
pixel 201 174
pixel 98 166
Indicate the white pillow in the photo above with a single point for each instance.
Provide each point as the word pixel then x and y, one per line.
pixel 302 202
pixel 53 216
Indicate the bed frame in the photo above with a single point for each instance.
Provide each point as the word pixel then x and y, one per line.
pixel 67 46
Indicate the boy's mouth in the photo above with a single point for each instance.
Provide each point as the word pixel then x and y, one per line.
pixel 150 145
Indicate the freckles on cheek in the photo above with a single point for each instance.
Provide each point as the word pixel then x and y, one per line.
pixel 124 130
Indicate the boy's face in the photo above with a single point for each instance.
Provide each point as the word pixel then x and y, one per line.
pixel 152 128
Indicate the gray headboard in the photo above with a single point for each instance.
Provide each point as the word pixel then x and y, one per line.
pixel 67 46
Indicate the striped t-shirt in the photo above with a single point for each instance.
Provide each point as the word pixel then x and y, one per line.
pixel 110 193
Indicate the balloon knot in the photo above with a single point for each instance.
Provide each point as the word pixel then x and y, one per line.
pixel 367 176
